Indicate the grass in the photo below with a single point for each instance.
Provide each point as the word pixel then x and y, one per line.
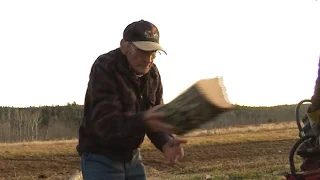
pixel 249 152
pixel 246 128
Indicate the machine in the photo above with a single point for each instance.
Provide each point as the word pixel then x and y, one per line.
pixel 310 167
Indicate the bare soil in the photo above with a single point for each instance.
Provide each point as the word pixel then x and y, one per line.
pixel 245 158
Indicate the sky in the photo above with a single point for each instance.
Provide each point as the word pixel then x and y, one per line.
pixel 266 51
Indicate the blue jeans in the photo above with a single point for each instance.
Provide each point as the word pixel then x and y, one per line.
pixel 100 167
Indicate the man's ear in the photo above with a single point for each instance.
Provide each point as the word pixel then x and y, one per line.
pixel 124 46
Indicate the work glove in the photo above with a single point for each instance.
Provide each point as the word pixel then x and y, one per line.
pixel 314 118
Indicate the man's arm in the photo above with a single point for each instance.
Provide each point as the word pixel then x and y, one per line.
pixel 315 99
pixel 159 138
pixel 107 120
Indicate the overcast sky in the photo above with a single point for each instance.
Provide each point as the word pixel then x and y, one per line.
pixel 266 51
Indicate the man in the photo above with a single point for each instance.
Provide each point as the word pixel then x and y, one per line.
pixel 314 109
pixel 313 114
pixel 123 90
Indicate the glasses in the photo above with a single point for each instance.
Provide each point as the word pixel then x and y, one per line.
pixel 143 54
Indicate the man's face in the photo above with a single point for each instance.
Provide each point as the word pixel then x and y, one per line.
pixel 140 61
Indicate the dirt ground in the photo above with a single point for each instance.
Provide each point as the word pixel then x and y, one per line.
pixel 245 159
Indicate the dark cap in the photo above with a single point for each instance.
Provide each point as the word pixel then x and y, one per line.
pixel 144 35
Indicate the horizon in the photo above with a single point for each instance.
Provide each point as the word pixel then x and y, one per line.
pixel 267 52
pixel 73 102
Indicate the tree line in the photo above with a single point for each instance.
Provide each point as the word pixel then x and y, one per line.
pixel 62 122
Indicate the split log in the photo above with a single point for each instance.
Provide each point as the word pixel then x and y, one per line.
pixel 204 101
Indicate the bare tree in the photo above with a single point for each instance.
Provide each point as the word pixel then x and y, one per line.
pixel 36 120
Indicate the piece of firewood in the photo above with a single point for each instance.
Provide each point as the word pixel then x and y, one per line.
pixel 200 103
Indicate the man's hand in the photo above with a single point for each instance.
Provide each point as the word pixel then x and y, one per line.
pixel 173 150
pixel 153 121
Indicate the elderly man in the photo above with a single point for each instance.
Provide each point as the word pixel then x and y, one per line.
pixel 120 108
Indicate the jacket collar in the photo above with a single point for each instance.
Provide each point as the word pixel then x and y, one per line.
pixel 151 78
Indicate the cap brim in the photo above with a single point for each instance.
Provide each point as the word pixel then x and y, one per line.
pixel 148 46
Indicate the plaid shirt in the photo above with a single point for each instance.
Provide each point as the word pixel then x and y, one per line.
pixel 114 105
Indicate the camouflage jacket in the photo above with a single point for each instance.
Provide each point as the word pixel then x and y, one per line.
pixel 114 105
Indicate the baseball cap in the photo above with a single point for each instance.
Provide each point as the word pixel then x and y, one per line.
pixel 144 35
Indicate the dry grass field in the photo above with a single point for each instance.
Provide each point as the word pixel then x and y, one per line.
pixel 251 152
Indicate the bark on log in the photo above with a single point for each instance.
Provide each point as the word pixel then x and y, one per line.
pixel 202 102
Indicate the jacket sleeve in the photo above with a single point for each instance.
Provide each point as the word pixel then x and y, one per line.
pixel 159 138
pixel 107 121
pixel 315 99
